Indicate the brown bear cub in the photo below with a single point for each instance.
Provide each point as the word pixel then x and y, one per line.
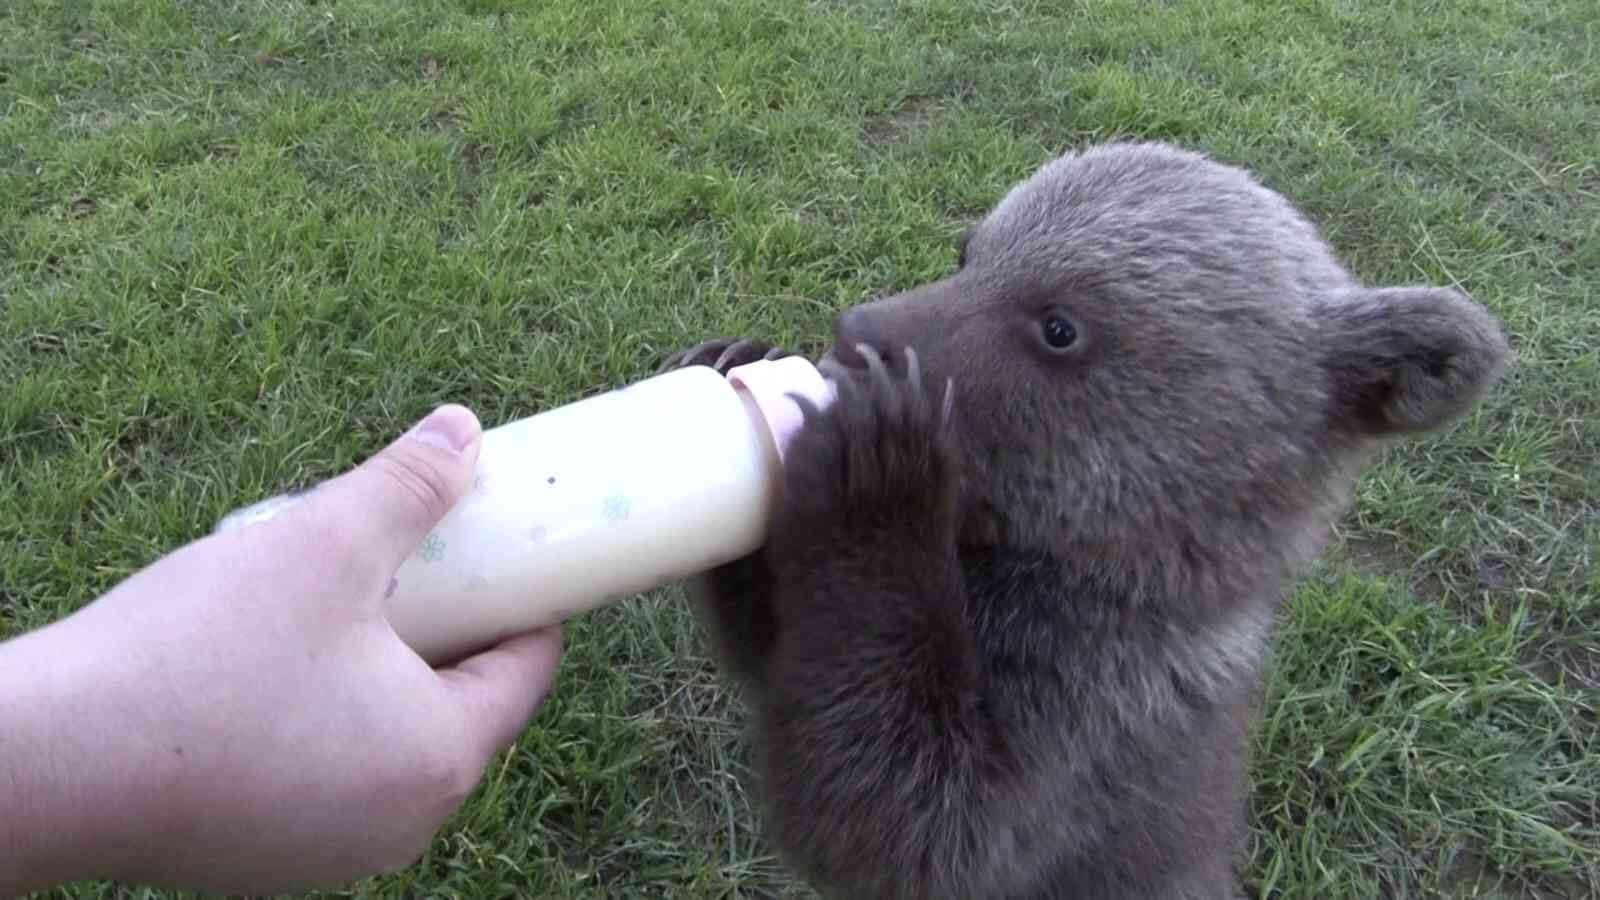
pixel 1008 635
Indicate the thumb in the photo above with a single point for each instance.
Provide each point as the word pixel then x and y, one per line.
pixel 388 504
pixel 501 687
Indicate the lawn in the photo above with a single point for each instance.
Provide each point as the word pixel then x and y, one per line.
pixel 243 244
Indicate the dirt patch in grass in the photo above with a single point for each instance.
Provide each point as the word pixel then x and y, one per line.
pixel 914 115
pixel 1471 875
pixel 1385 559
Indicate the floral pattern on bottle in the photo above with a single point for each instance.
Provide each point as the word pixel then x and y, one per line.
pixel 616 508
pixel 432 549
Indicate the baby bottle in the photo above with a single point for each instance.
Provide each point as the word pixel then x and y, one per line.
pixel 606 497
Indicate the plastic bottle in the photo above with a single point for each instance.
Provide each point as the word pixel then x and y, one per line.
pixel 613 495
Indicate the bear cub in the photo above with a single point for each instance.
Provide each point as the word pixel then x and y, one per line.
pixel 1009 632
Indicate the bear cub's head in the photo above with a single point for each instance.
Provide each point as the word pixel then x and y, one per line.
pixel 1159 362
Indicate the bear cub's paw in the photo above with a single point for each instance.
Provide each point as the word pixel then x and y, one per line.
pixel 723 354
pixel 882 457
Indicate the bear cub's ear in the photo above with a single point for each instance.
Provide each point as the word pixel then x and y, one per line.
pixel 1408 359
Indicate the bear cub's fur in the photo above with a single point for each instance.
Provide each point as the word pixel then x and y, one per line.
pixel 1008 634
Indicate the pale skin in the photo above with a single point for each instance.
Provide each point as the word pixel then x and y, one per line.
pixel 239 717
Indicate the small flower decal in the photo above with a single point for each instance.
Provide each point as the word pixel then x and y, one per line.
pixel 432 548
pixel 616 508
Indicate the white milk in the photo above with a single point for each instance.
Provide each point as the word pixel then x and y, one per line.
pixel 600 499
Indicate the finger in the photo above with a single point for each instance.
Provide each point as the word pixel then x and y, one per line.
pixel 388 504
pixel 501 687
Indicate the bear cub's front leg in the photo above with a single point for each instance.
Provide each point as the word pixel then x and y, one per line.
pixel 877 470
pixel 733 600
pixel 872 727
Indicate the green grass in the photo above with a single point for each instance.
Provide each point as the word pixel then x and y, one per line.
pixel 244 243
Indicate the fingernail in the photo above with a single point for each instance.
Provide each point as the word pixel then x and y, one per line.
pixel 449 428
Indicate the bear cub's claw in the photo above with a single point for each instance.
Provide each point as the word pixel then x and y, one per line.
pixel 723 354
pixel 882 456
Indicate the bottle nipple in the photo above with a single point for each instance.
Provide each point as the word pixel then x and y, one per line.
pixel 771 381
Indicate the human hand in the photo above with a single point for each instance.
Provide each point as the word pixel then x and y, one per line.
pixel 243 719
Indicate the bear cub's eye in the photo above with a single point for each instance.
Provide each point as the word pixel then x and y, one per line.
pixel 1059 333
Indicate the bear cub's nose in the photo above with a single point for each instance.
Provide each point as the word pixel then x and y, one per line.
pixel 857 325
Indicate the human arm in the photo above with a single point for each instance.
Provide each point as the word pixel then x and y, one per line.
pixel 239 717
